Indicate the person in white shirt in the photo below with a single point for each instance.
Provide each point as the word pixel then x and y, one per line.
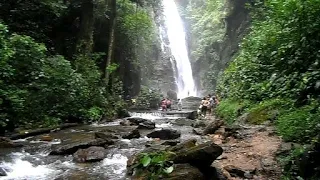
pixel 179 104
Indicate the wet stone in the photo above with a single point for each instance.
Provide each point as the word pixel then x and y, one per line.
pixel 91 154
pixel 171 142
pixel 7 143
pixel 165 134
pixel 147 125
pixel 65 149
pixel 105 135
pixel 136 120
pixel 2 172
pixel 131 135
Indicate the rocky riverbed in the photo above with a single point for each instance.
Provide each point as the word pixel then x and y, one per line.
pixel 207 148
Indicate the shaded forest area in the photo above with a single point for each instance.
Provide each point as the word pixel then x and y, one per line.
pixel 69 61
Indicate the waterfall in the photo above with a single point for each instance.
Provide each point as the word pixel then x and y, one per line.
pixel 177 40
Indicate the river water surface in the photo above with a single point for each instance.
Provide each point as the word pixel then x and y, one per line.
pixel 33 161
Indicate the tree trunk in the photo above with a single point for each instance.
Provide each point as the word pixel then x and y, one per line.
pixel 85 36
pixel 113 9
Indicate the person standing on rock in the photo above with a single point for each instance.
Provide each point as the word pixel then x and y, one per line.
pixel 205 104
pixel 164 105
pixel 179 105
pixel 168 102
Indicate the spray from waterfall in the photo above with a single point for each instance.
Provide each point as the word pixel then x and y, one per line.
pixel 177 39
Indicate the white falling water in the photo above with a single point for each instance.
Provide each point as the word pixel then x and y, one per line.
pixel 176 36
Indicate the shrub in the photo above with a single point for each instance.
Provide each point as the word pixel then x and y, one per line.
pixel 267 110
pixel 300 124
pixel 229 110
pixel 154 165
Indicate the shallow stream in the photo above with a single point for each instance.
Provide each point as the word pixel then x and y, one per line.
pixel 33 161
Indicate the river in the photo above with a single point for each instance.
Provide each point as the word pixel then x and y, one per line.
pixel 34 162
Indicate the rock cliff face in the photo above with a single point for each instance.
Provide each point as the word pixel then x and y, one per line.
pixel 219 54
pixel 159 73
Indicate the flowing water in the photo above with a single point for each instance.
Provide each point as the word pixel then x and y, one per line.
pixel 34 162
pixel 177 39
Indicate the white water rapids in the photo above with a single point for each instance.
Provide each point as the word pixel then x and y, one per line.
pixel 176 36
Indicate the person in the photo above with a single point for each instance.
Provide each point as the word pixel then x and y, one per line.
pixel 164 105
pixel 205 103
pixel 211 103
pixel 179 104
pixel 168 102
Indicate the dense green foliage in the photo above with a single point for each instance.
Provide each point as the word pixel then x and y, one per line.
pixel 53 60
pixel 277 71
pixel 279 57
pixel 37 88
pixel 154 165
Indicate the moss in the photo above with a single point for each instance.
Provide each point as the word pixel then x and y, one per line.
pixel 267 110
pixel 228 110
pixel 300 124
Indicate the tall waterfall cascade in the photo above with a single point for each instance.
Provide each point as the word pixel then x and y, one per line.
pixel 177 43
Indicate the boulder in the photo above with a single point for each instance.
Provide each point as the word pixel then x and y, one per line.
pixel 172 94
pixel 25 134
pixel 200 156
pixel 104 135
pixel 197 131
pixel 46 138
pixel 131 135
pixel 213 126
pixel 2 172
pixel 184 145
pixel 234 131
pixel 235 171
pixel 7 143
pixel 147 125
pixel 180 171
pixel 193 115
pixel 125 123
pixel 91 154
pixel 123 113
pixel 165 134
pixel 66 149
pixel 136 120
pixel 182 122
pixel 199 123
pixel 171 142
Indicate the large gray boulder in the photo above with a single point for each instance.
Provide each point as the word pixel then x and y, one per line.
pixel 199 156
pixel 136 120
pixel 91 154
pixel 131 135
pixel 147 125
pixel 165 134
pixel 7 143
pixel 213 126
pixel 66 149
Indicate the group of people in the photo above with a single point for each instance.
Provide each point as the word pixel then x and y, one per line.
pixel 166 104
pixel 208 104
